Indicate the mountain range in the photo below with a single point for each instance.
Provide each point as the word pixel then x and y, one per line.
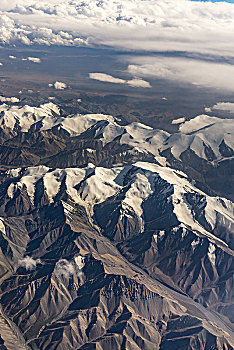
pixel 115 235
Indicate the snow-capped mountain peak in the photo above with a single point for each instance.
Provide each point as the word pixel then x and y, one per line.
pixel 210 138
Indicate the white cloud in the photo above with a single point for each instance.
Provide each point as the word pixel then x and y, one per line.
pixel 9 99
pixel 66 268
pixel 133 24
pixel 197 72
pixel 200 29
pixel 106 78
pixel 58 85
pixel 222 106
pixel 137 82
pixel 34 59
pixel 25 23
pixel 29 263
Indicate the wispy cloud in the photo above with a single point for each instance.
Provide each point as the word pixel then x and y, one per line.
pixel 64 268
pixel 196 72
pixel 29 263
pixel 67 268
pixel 106 78
pixel 136 82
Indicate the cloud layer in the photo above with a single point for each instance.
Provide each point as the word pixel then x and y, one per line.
pixel 202 33
pixel 152 24
pixel 187 70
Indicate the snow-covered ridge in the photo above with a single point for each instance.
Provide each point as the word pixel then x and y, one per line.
pixel 93 185
pixel 201 133
pixel 49 116
pixel 206 136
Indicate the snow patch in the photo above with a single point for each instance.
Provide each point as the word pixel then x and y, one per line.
pixel 31 176
pixel 158 236
pixel 11 190
pixel 52 182
pixel 211 253
pixel 14 172
pixel 178 121
pixel 80 261
pixel 90 150
pixel 2 226
pixel 195 243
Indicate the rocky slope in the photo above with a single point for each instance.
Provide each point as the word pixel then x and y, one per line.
pixel 42 135
pixel 103 244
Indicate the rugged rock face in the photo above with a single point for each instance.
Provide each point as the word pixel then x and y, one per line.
pixel 203 147
pixel 127 255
